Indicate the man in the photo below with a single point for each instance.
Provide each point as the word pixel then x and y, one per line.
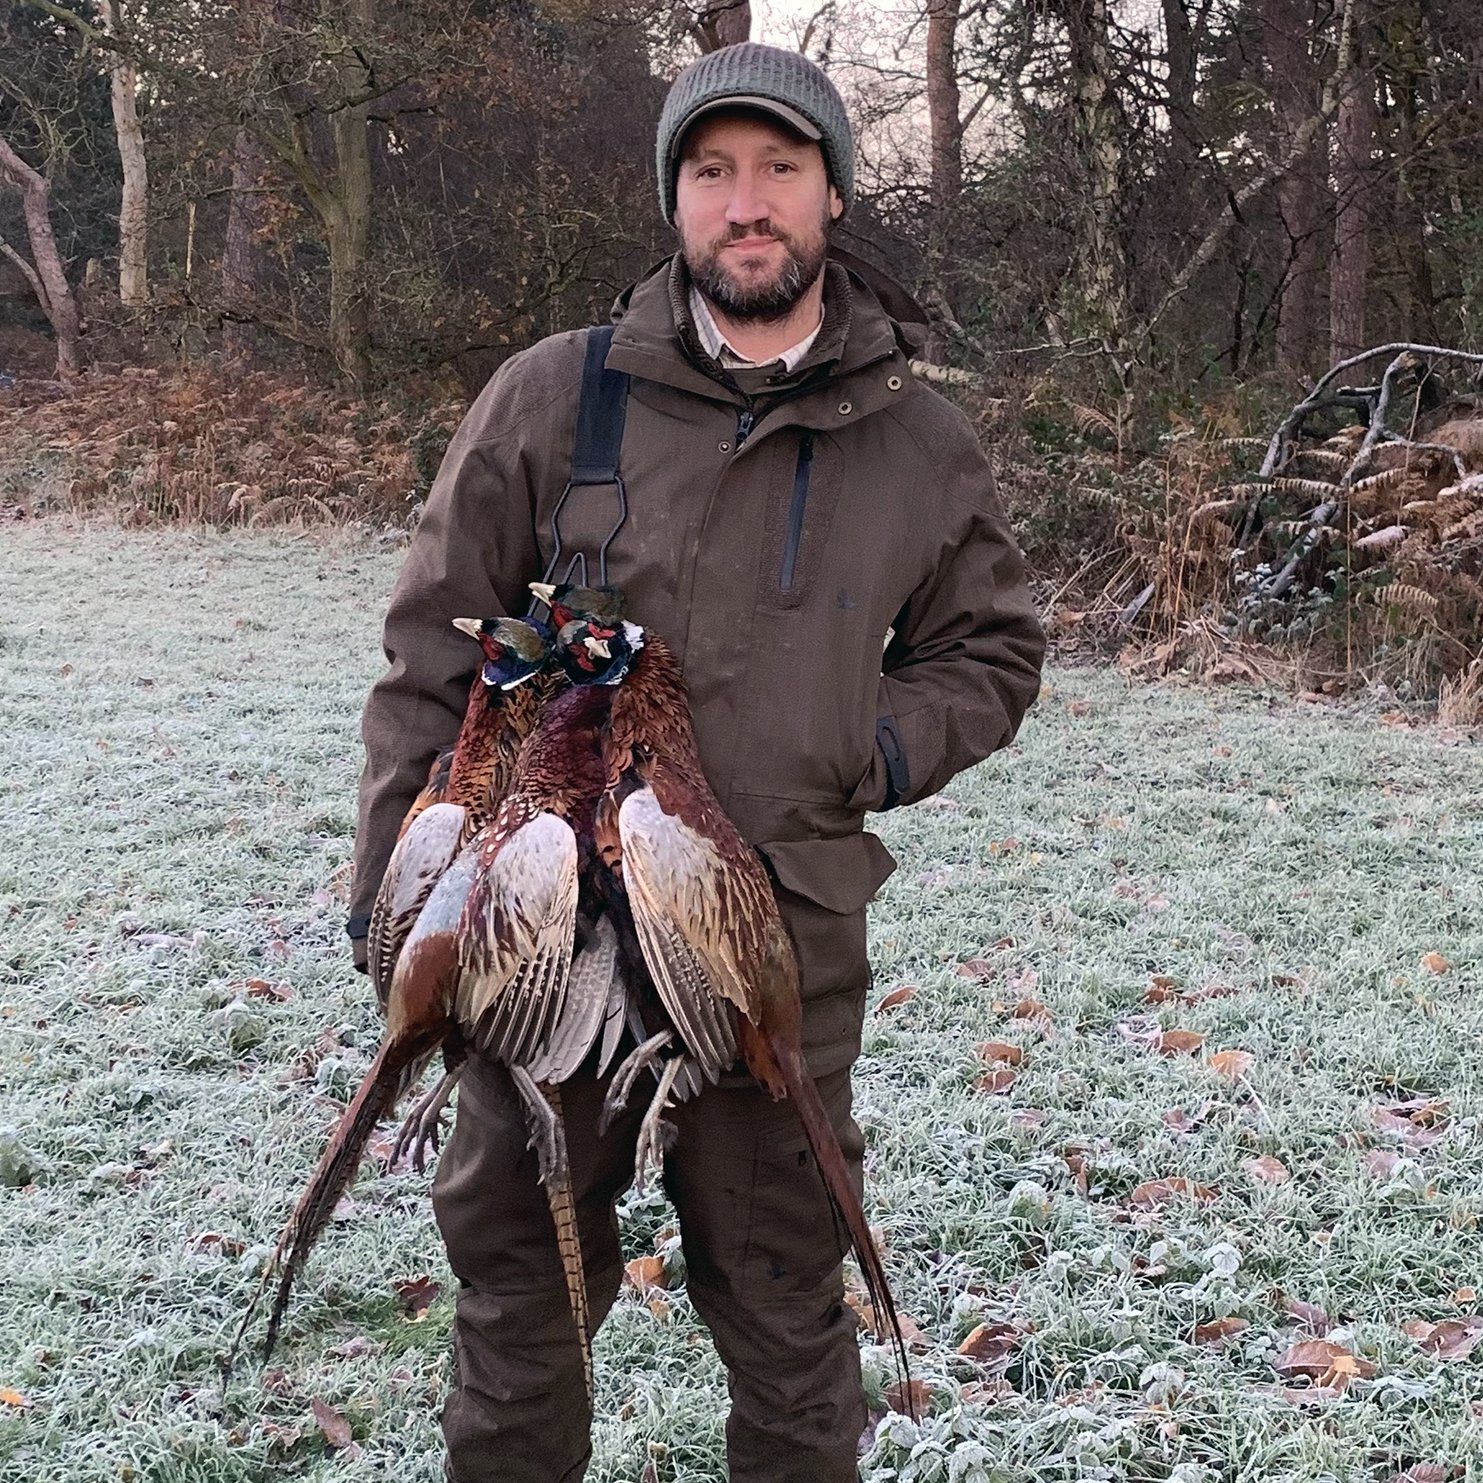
pixel 794 497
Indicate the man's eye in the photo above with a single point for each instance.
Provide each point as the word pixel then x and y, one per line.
pixel 783 165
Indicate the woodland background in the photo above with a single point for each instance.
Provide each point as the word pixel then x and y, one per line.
pixel 255 258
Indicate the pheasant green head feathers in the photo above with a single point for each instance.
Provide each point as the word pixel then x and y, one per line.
pixel 567 601
pixel 514 650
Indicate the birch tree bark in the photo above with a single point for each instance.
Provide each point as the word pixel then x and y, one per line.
pixel 133 214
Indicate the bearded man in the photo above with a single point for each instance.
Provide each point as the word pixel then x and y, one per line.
pixel 817 534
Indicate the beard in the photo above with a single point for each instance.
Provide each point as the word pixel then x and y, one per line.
pixel 760 301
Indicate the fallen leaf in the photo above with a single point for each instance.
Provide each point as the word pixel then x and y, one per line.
pixel 1310 1315
pixel 1434 963
pixel 1320 1360
pixel 980 970
pixel 1267 1170
pixel 215 1241
pixel 1428 1472
pixel 992 1343
pixel 1454 1338
pixel 898 995
pixel 913 1396
pixel 332 1425
pixel 1001 1052
pixel 1161 989
pixel 1156 1193
pixel 1180 1043
pixel 1381 1163
pixel 1231 1065
pixel 1465 1295
pixel 262 988
pixel 1031 1009
pixel 9 1397
pixel 996 1082
pixel 357 1348
pixel 646 1274
pixel 1218 1330
pixel 417 1294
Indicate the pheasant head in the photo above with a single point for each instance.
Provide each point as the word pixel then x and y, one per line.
pixel 514 650
pixel 567 602
pixel 595 653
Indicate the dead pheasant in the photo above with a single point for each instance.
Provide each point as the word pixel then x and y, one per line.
pixel 714 962
pixel 504 701
pixel 465 784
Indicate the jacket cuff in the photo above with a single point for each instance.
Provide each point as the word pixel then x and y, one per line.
pixel 898 773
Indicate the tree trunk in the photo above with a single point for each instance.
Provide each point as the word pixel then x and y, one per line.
pixel 945 161
pixel 1286 30
pixel 1094 111
pixel 48 277
pixel 1182 56
pixel 347 221
pixel 1354 183
pixel 133 214
pixel 719 23
pixel 242 263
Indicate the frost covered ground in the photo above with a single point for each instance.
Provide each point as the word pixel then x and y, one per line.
pixel 178 1024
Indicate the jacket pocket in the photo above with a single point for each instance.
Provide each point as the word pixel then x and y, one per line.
pixel 841 875
pixel 800 510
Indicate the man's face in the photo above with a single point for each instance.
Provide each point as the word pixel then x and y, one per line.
pixel 753 203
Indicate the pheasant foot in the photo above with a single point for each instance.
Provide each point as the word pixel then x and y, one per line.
pixel 424 1123
pixel 655 1135
pixel 621 1087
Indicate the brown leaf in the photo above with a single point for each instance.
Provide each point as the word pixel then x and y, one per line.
pixel 9 1397
pixel 261 988
pixel 980 970
pixel 897 996
pixel 357 1348
pixel 1156 1193
pixel 1161 989
pixel 919 1393
pixel 1380 1163
pixel 646 1274
pixel 1001 1052
pixel 992 1343
pixel 1310 1315
pixel 1180 1043
pixel 1428 1472
pixel 1454 1338
pixel 1031 1009
pixel 996 1082
pixel 1218 1330
pixel 1267 1170
pixel 417 1294
pixel 1434 963
pixel 1320 1360
pixel 1231 1065
pixel 332 1425
pixel 215 1241
pixel 1465 1295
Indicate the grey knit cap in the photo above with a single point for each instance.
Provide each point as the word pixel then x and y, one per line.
pixel 783 82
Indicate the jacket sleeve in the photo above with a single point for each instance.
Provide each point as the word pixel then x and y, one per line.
pixel 963 662
pixel 471 556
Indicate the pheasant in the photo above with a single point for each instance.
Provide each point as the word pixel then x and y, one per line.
pixel 465 783
pixel 504 701
pixel 705 948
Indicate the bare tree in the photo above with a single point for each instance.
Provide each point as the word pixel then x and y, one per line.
pixel 716 23
pixel 133 213
pixel 45 272
pixel 1354 206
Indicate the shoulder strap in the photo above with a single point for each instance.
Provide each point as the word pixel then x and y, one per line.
pixel 583 527
pixel 600 414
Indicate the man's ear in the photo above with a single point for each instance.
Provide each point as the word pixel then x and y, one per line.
pixel 836 204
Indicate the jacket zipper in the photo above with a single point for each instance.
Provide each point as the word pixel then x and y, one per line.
pixel 797 509
pixel 745 419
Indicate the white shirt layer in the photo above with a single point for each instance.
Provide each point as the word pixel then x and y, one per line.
pixel 720 349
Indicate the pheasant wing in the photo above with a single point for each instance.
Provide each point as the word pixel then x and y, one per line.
pixel 515 939
pixel 698 900
pixel 417 863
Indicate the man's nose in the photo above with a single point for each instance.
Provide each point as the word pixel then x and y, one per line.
pixel 747 204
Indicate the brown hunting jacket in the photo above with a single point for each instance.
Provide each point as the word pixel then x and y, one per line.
pixel 780 527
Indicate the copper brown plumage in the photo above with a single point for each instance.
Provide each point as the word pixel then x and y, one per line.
pixel 697 902
pixel 418 1023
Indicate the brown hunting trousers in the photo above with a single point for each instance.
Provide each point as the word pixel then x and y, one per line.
pixel 762 1252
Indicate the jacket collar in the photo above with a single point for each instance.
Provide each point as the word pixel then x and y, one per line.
pixel 656 338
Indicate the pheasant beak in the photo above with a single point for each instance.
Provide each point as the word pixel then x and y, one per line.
pixel 544 591
pixel 599 647
pixel 469 626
